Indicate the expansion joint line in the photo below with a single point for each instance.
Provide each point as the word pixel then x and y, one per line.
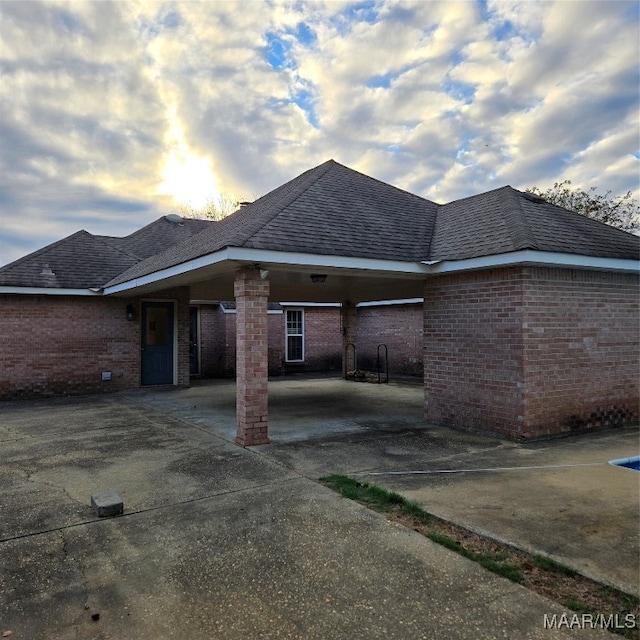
pixel 491 469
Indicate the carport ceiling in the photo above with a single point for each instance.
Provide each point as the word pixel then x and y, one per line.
pixel 294 284
pixel 291 283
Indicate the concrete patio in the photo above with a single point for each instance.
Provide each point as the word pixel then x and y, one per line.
pixel 558 497
pixel 227 542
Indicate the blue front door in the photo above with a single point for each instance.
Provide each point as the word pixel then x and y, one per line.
pixel 157 343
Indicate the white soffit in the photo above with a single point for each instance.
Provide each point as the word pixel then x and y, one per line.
pixel 269 257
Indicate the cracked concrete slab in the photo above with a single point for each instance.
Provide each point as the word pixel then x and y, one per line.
pixel 217 541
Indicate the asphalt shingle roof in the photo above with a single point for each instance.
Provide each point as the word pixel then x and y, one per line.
pixel 85 261
pixel 330 210
pixel 506 220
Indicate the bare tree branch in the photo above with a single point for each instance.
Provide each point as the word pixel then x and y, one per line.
pixel 622 212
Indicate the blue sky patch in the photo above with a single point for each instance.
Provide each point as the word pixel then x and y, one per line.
pixel 356 12
pixel 365 11
pixel 381 81
pixel 460 91
pixel 171 20
pixel 484 9
pixel 504 31
pixel 305 99
pixel 305 35
pixel 279 44
pixel 632 12
pixel 276 51
pixel 69 21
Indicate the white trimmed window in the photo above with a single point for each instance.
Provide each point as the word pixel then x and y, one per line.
pixel 295 335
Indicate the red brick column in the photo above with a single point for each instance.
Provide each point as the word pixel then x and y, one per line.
pixel 252 293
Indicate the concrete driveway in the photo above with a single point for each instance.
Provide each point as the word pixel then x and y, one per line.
pixel 560 498
pixel 217 541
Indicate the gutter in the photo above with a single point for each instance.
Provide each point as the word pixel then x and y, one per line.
pixel 49 291
pixel 533 257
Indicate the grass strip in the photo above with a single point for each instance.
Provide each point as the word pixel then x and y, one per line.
pixel 543 575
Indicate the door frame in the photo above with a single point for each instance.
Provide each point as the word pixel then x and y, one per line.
pixel 197 309
pixel 174 346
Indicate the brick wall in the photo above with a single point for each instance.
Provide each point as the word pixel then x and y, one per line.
pixel 275 330
pixel 212 341
pixel 181 296
pixel 397 326
pixel 218 342
pixel 473 350
pixel 52 345
pixel 62 344
pixel 581 350
pixel 322 340
pixel 530 352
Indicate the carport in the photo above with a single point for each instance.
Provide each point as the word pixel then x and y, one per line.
pixel 253 278
pixel 521 298
pixel 330 235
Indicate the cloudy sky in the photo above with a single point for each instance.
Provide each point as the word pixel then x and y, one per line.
pixel 114 113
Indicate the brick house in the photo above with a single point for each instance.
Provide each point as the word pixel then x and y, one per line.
pixel 316 345
pixel 523 315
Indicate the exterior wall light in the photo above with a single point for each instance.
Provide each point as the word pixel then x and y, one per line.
pixel 318 277
pixel 130 312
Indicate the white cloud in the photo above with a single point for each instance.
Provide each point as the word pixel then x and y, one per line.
pixel 444 99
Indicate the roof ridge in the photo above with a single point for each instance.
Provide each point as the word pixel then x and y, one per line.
pixel 522 236
pixel 110 241
pixel 30 256
pixel 431 230
pixel 283 201
pixel 427 229
pixel 477 195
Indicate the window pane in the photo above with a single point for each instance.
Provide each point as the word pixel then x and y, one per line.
pixel 294 322
pixel 295 335
pixel 294 347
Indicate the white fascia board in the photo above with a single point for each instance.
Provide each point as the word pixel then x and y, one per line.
pixel 386 303
pixel 242 254
pixel 156 276
pixel 270 312
pixel 310 304
pixel 291 258
pixel 46 291
pixel 529 256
